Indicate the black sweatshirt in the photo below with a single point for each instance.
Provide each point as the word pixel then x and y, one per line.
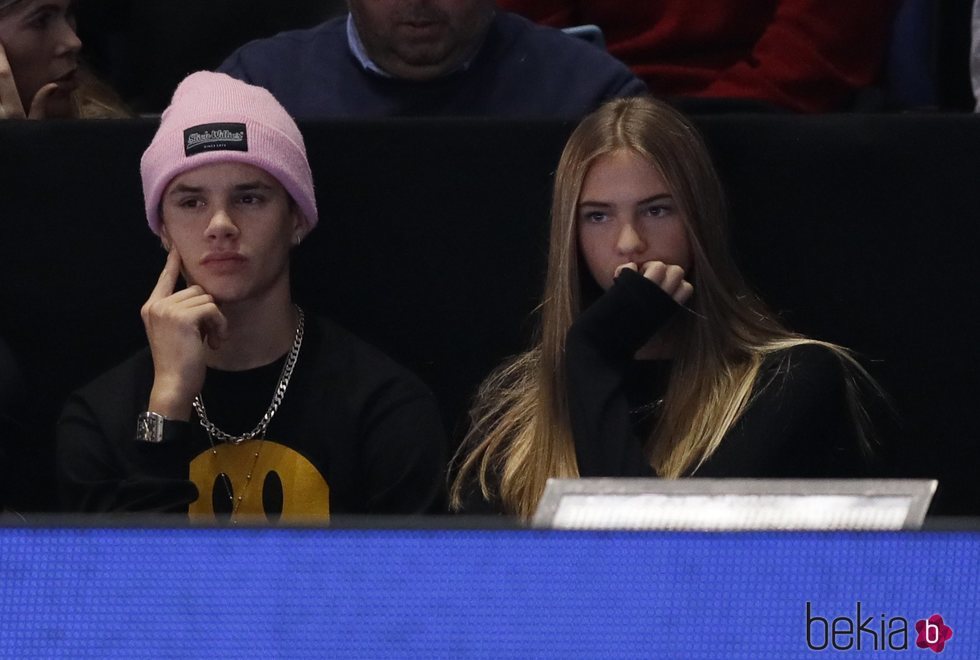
pixel 353 428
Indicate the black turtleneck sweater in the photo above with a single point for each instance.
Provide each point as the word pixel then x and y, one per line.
pixel 798 423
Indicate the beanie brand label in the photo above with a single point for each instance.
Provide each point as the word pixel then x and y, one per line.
pixel 215 137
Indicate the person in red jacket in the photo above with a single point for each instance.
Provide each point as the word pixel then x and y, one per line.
pixel 800 55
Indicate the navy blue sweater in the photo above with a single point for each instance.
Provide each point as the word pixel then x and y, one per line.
pixel 522 70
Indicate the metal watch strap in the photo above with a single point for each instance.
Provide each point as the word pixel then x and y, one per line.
pixel 150 427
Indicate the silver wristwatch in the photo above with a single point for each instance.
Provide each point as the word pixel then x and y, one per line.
pixel 150 427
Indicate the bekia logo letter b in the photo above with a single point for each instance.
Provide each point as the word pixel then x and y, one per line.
pixel 933 633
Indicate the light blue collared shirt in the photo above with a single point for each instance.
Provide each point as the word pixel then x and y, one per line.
pixel 357 48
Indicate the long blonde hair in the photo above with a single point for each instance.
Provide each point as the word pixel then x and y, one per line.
pixel 95 99
pixel 520 433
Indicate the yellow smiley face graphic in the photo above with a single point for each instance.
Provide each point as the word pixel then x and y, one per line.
pixel 257 481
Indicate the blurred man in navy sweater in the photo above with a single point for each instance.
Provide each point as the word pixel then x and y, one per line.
pixel 432 58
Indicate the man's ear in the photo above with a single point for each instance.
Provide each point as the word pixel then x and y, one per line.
pixel 299 224
pixel 165 237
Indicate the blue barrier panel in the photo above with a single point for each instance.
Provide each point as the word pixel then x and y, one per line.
pixel 127 592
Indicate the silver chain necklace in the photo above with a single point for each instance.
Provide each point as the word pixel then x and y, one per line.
pixel 214 433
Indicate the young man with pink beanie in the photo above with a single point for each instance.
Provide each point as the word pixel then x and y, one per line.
pixel 242 407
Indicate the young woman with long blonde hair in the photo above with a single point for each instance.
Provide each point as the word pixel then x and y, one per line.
pixel 653 357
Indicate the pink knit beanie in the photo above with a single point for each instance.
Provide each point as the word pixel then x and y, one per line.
pixel 214 118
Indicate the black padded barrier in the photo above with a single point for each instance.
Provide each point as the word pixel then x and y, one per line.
pixel 858 228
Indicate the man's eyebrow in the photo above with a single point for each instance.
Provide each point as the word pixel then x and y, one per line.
pixel 183 188
pixel 252 185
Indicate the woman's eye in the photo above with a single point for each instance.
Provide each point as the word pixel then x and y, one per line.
pixel 594 216
pixel 190 203
pixel 250 199
pixel 40 21
pixel 657 211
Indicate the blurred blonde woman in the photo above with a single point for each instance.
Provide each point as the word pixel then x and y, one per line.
pixel 653 357
pixel 40 74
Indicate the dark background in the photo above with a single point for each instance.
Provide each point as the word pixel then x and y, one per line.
pixel 861 229
pixel 143 48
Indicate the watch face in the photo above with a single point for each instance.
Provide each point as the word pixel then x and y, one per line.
pixel 148 427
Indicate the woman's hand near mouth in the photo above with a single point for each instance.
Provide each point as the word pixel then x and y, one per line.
pixel 11 106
